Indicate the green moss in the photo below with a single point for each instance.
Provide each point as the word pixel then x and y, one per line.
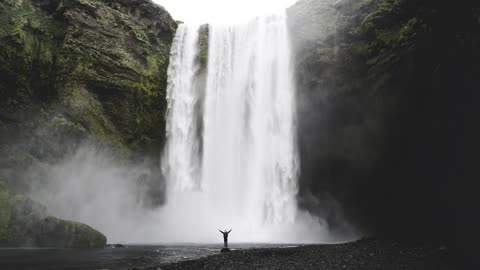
pixel 30 30
pixel 386 39
pixel 28 42
pixel 23 223
pixel 89 3
pixel 148 84
pixel 90 113
pixel 72 234
pixel 18 216
pixel 138 31
pixel 107 67
pixel 6 207
pixel 398 36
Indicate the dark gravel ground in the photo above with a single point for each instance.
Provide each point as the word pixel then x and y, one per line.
pixel 360 255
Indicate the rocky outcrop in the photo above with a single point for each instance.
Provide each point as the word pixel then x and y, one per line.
pixel 202 57
pixel 26 223
pixel 386 114
pixel 81 71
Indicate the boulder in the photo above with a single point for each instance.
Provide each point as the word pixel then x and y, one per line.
pixel 25 223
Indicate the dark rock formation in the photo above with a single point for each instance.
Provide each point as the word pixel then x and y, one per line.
pixel 352 68
pixel 26 223
pixel 387 114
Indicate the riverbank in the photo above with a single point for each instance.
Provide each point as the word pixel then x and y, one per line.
pixel 360 255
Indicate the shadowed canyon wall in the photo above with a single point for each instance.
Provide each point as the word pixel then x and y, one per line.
pixel 387 94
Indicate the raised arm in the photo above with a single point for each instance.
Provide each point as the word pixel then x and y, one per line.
pixel 230 231
pixel 220 231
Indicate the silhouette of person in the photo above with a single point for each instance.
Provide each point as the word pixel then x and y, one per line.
pixel 225 237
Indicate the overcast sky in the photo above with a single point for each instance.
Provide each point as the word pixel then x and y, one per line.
pixel 228 11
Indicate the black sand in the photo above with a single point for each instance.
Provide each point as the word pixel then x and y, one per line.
pixel 361 255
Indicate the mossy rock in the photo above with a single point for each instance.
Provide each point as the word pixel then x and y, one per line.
pixel 6 207
pixel 61 233
pixel 24 222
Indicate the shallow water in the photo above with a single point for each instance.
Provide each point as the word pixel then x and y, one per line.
pixel 138 256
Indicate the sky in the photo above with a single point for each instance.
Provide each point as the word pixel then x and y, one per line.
pixel 224 11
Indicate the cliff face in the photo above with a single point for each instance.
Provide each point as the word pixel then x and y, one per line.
pixel 102 64
pixel 354 59
pixel 80 71
pixel 76 70
pixel 386 113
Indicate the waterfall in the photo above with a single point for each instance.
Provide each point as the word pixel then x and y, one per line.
pixel 182 149
pixel 249 157
pixel 240 169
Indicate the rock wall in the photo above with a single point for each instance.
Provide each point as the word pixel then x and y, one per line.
pixel 386 115
pixel 82 71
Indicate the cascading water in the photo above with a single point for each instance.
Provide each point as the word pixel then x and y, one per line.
pixel 249 155
pixel 241 170
pixel 182 158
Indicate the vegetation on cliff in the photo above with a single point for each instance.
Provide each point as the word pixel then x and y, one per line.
pixel 352 62
pixel 98 68
pixel 103 62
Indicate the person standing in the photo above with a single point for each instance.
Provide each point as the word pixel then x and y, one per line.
pixel 225 237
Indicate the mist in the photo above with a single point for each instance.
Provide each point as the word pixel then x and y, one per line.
pixel 92 187
pixel 245 173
